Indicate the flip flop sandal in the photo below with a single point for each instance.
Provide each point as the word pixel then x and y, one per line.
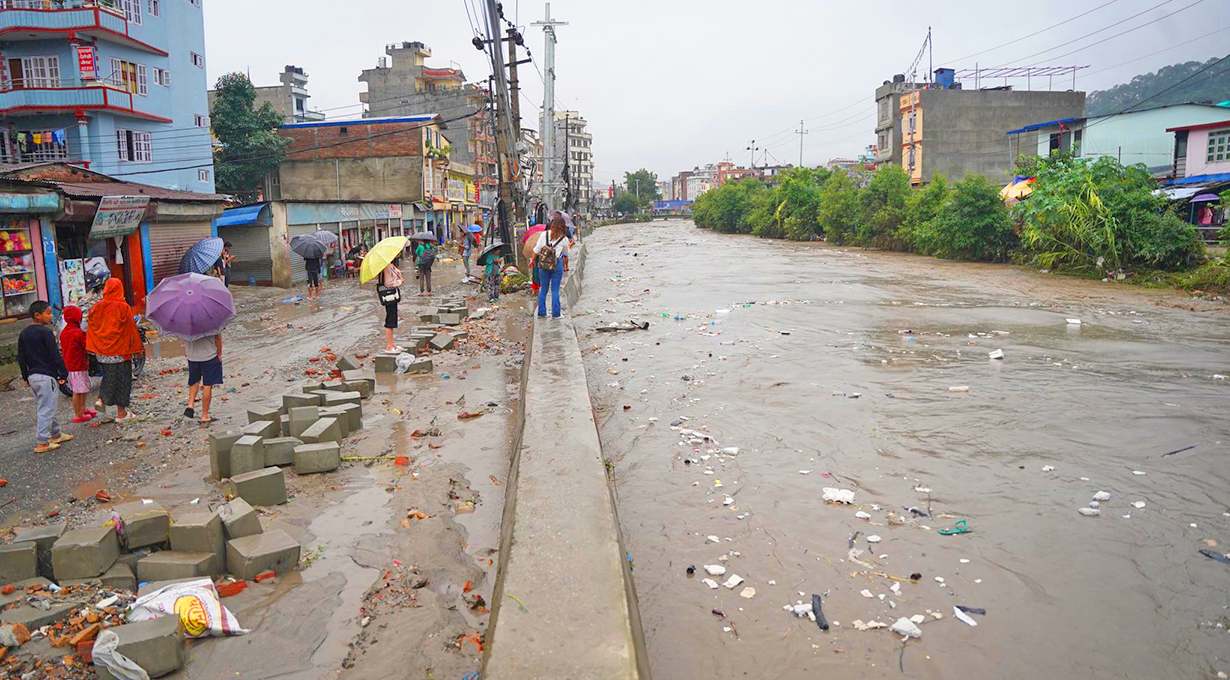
pixel 961 527
pixel 206 421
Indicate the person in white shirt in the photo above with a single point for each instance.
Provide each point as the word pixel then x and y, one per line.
pixel 551 261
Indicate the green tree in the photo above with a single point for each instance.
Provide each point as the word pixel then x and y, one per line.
pixel 971 224
pixel 1210 86
pixel 840 208
pixel 643 185
pixel 626 203
pixel 921 207
pixel 249 145
pixel 883 208
pixel 729 208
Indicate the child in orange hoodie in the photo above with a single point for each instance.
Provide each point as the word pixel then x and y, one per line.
pixel 72 347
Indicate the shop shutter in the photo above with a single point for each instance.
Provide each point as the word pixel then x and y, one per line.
pixel 169 241
pixel 298 273
pixel 253 259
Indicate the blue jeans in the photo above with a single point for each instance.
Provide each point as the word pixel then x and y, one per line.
pixel 550 280
pixel 46 394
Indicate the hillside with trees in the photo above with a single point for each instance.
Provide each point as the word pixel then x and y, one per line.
pixel 1211 86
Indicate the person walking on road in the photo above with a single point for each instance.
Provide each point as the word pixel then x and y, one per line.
pixel 468 236
pixel 424 259
pixel 389 290
pixel 204 357
pixel 551 261
pixel 312 265
pixel 43 370
pixel 113 338
pixel 76 362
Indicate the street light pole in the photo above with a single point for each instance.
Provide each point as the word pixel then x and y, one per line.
pixel 752 148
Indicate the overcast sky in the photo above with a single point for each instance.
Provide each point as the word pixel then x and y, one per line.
pixel 669 84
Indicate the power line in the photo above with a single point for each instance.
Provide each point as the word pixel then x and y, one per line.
pixel 1130 30
pixel 1155 95
pixel 1026 37
pixel 1093 33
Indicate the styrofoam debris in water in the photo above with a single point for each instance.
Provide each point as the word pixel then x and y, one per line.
pixel 906 628
pixel 713 585
pixel 832 495
pixel 1073 322
pixel 959 388
pixel 733 581
pixel 996 354
pixel 1101 496
pixel 747 593
pixel 1138 504
pixel 862 515
pixel 1048 468
pixel 870 625
pixel 712 539
pixel 965 618
pixel 866 593
pixel 873 539
pixel 715 569
pixel 1089 512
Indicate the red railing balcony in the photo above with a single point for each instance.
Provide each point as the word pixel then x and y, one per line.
pixel 46 96
pixel 40 20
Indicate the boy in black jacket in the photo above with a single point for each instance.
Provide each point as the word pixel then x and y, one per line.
pixel 42 367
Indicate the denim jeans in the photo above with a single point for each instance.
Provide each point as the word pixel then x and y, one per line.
pixel 550 280
pixel 46 394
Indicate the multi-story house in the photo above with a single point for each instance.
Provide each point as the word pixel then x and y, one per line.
pixel 402 84
pixel 289 98
pixel 118 85
pixel 573 145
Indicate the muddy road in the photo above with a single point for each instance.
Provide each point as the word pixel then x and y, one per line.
pixel 871 373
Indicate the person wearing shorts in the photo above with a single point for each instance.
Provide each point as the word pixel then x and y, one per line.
pixel 312 265
pixel 204 372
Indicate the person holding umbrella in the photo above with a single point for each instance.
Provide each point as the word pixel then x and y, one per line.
pixel 382 263
pixel 551 261
pixel 113 338
pixel 195 309
pixel 312 250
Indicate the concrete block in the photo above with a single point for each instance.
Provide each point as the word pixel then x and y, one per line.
pixel 347 363
pixel 284 421
pixel 200 532
pixel 130 559
pixel 363 386
pixel 312 384
pixel 279 449
pixel 267 429
pixel 219 448
pixel 171 564
pixel 301 418
pixel 420 366
pixel 295 399
pixel 323 430
pixel 313 458
pixel 449 319
pixel 34 618
pixel 260 413
pixel 247 454
pixel 428 318
pixel 259 487
pixel 144 524
pixel 460 335
pixel 335 412
pixel 239 519
pixel 339 398
pixel 120 577
pixel 42 537
pixel 246 557
pixel 359 374
pixel 18 562
pixel 335 386
pixel 352 415
pixel 442 341
pixel 385 363
pixel 155 645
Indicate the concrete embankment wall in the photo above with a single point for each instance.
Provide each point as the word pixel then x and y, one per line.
pixel 563 605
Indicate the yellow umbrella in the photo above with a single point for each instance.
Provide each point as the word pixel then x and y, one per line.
pixel 1017 190
pixel 380 256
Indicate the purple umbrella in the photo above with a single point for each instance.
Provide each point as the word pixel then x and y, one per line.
pixel 190 306
pixel 1206 198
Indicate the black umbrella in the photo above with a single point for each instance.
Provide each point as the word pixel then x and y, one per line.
pixel 308 247
pixel 202 256
pixel 423 236
pixel 495 246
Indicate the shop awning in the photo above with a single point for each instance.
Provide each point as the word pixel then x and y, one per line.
pixel 30 203
pixel 246 215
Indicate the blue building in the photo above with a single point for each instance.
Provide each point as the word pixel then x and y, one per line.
pixel 117 84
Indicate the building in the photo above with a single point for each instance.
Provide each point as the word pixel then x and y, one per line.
pixel 957 132
pixel 1201 153
pixel 575 154
pixel 664 189
pixel 462 193
pixel 888 121
pixel 727 171
pixel 289 99
pixel 91 82
pixel 699 180
pixel 1142 136
pixel 364 179
pixel 679 186
pixel 403 84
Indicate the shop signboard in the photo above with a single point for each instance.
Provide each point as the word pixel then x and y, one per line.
pixel 85 62
pixel 118 216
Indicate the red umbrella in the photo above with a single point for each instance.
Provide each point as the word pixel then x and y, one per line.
pixel 536 229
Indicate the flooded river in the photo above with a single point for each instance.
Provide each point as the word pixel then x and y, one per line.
pixel 835 368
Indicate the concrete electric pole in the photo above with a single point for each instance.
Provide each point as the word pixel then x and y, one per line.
pixel 548 106
pixel 800 132
pixel 504 141
pixel 752 149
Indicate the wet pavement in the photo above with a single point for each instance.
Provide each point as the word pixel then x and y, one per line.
pixel 836 368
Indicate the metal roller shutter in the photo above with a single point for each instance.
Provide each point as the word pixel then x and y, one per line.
pixel 298 273
pixel 169 241
pixel 253 260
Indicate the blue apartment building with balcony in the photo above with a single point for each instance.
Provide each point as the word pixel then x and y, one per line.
pixel 141 113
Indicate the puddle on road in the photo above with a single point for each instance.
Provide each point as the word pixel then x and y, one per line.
pixel 845 400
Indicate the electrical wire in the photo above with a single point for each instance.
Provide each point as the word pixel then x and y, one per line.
pixel 1155 95
pixel 1104 28
pixel 1014 41
pixel 1130 30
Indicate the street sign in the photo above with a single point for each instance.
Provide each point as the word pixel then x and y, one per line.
pixel 86 62
pixel 395 211
pixel 118 216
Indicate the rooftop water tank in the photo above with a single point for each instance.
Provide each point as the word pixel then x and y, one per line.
pixel 945 78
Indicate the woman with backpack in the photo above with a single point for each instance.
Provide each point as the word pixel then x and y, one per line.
pixel 424 258
pixel 389 290
pixel 551 261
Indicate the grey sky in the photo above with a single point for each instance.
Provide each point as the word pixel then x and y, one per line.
pixel 669 84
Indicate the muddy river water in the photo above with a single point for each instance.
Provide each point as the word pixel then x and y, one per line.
pixel 799 356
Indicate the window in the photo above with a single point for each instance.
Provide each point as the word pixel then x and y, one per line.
pixel 134 145
pixel 198 60
pixel 194 3
pixel 162 76
pixel 34 145
pixel 200 121
pixel 202 174
pixel 155 8
pixel 132 10
pixel 1219 147
pixel 129 76
pixel 35 72
pixel 913 122
pixel 911 159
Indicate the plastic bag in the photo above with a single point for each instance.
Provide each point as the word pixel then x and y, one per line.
pixel 117 664
pixel 197 605
pixel 404 360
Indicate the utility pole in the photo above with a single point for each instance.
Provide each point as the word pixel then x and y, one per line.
pixel 800 132
pixel 752 148
pixel 515 39
pixel 548 105
pixel 505 145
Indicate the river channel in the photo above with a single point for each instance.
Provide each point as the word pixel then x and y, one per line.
pixel 871 373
